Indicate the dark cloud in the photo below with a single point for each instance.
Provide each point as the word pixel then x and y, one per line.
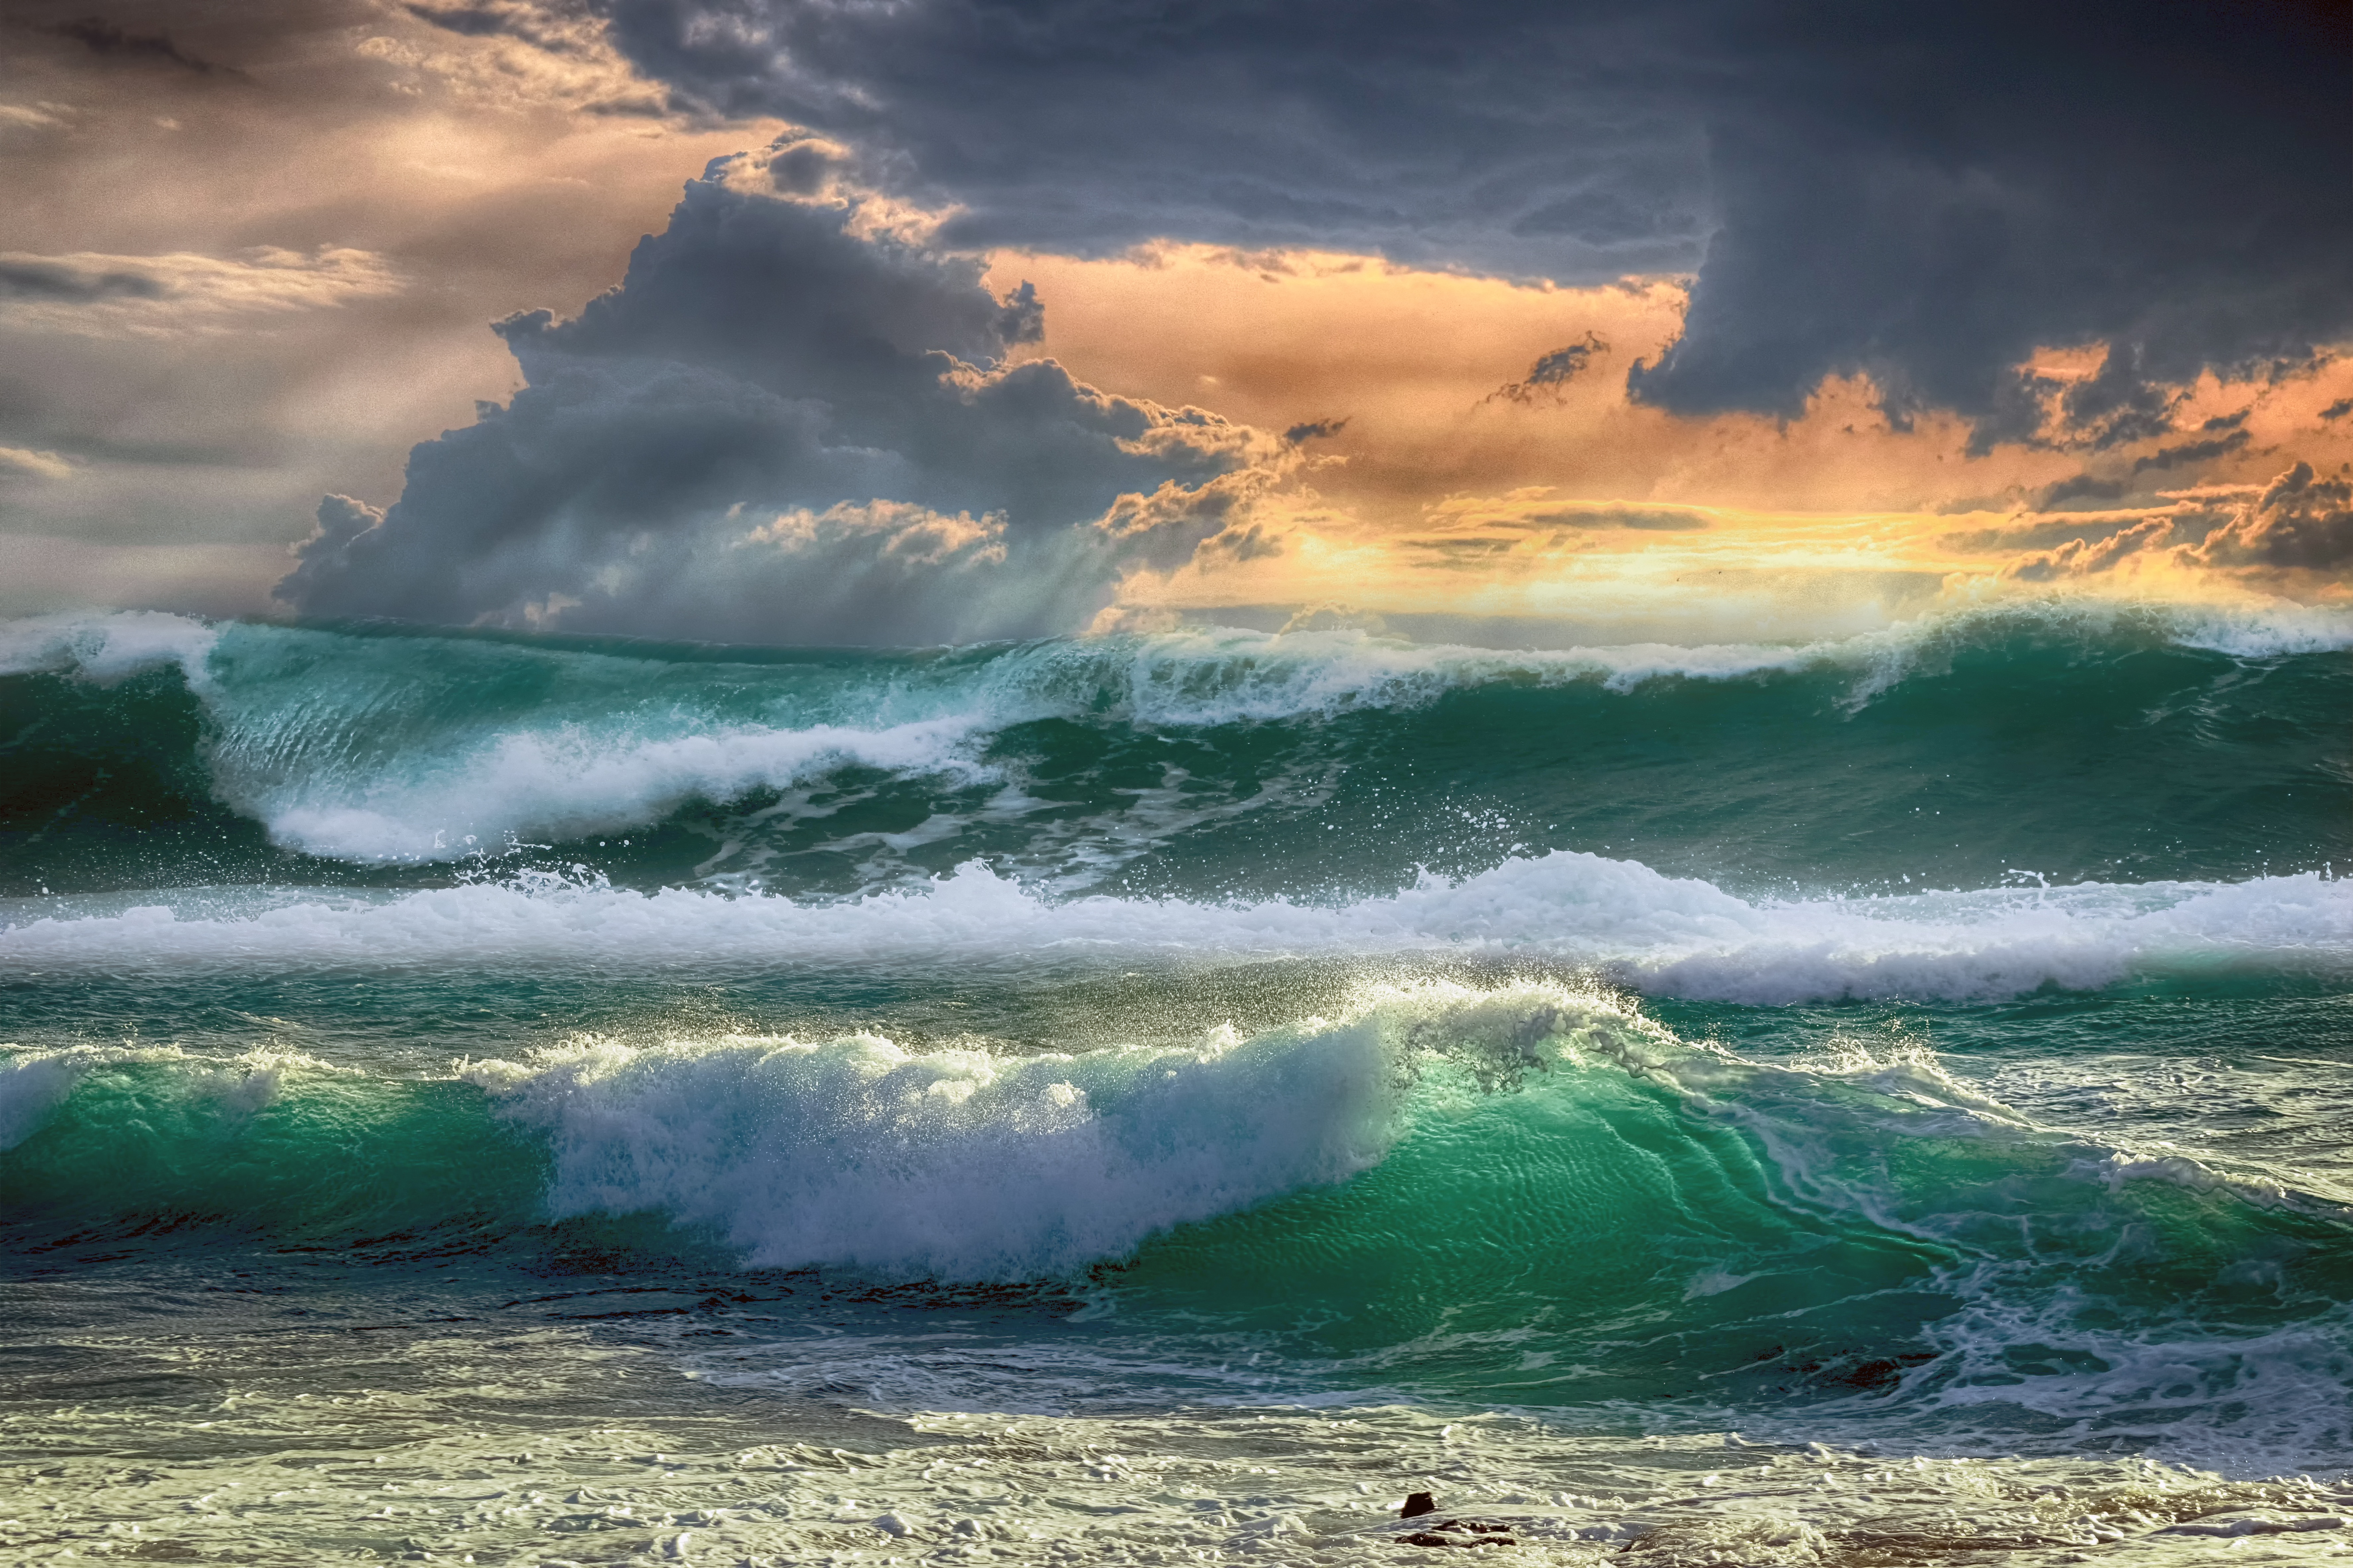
pixel 1924 193
pixel 1553 371
pixel 102 37
pixel 1432 133
pixel 804 167
pixel 32 279
pixel 2115 406
pixel 2338 409
pixel 1929 194
pixel 789 424
pixel 2080 486
pixel 1315 430
pixel 2189 452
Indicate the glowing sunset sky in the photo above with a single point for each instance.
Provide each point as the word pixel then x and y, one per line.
pixel 983 320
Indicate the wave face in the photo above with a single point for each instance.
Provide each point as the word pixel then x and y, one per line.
pixel 1932 1040
pixel 1521 1193
pixel 2065 746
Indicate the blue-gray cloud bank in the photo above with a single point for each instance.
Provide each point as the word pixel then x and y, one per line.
pixel 793 422
pixel 1922 193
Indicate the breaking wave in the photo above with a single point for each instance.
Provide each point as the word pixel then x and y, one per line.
pixel 373 748
pixel 1527 1191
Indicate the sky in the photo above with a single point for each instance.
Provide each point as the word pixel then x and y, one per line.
pixel 840 321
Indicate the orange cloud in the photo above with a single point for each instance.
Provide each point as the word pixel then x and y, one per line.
pixel 1467 445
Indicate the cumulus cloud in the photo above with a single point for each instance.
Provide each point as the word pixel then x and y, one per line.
pixel 2084 557
pixel 795 421
pixel 2300 524
pixel 203 427
pixel 2298 520
pixel 1922 195
pixel 169 296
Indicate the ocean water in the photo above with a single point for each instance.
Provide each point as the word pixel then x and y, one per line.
pixel 1165 1099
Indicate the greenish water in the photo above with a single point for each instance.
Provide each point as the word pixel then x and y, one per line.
pixel 1934 1043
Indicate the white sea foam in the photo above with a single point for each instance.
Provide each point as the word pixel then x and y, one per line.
pixel 2267 631
pixel 683 1478
pixel 1223 676
pixel 574 782
pixel 104 648
pixel 952 1164
pixel 1667 935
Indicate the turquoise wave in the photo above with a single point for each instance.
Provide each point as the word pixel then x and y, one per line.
pixel 2050 743
pixel 1522 1194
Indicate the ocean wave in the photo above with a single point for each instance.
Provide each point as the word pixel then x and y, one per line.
pixel 1665 935
pixel 375 749
pixel 1211 674
pixel 1526 1193
pixel 956 1164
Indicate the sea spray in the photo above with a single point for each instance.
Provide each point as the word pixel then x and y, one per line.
pixel 1670 936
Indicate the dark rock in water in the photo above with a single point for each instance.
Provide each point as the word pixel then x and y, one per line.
pixel 1415 1505
pixel 1471 1534
pixel 1457 1532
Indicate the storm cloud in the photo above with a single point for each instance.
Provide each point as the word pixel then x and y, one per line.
pixel 1923 194
pixel 795 421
